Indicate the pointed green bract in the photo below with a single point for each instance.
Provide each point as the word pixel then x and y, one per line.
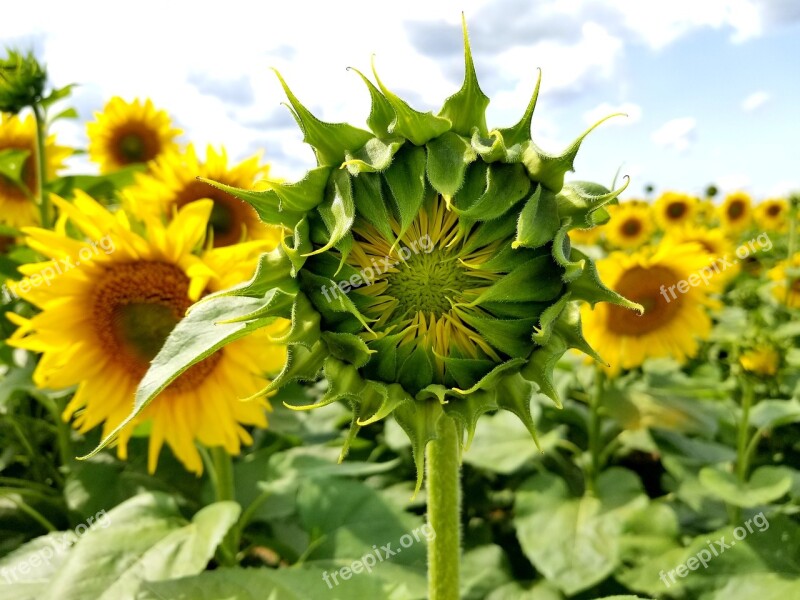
pixel 466 109
pixel 497 266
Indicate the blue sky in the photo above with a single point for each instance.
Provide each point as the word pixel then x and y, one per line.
pixel 711 87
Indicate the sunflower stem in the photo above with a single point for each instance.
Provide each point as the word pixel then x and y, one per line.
pixel 742 462
pixel 224 491
pixel 794 213
pixel 594 430
pixel 41 171
pixel 444 511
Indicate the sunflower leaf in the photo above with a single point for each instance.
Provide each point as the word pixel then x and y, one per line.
pixel 206 329
pixel 370 205
pixel 521 132
pixel 506 185
pixel 338 212
pixel 381 113
pixel 266 203
pixel 513 287
pixel 406 180
pixel 538 221
pixel 375 155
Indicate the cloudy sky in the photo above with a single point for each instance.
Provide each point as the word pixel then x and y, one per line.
pixel 711 87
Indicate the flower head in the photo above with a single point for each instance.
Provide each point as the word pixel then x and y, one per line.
pixel 786 278
pixel 772 214
pixel 106 316
pixel 129 133
pixel 674 209
pixel 762 360
pixel 17 207
pixel 22 81
pixel 631 225
pixel 428 271
pixel 735 213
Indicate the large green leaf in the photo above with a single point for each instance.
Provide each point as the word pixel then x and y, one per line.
pixel 575 542
pixel 766 484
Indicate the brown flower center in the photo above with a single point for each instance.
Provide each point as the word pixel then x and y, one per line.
pixel 676 210
pixel 774 210
pixel 229 217
pixel 136 306
pixel 134 143
pixel 631 227
pixel 736 210
pixel 644 285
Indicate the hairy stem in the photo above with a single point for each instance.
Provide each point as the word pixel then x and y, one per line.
pixel 41 172
pixel 444 511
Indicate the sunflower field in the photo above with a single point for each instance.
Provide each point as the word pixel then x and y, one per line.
pixel 435 366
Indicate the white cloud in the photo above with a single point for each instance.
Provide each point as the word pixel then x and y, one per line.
pixel 732 182
pixel 678 134
pixel 755 100
pixel 784 189
pixel 633 112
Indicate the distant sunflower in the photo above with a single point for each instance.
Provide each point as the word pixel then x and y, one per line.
pixel 108 316
pixel 713 241
pixel 17 207
pixel 771 214
pixel 674 209
pixel 762 360
pixel 128 133
pixel 673 319
pixel 736 212
pixel 631 225
pixel 585 237
pixel 786 275
pixel 172 183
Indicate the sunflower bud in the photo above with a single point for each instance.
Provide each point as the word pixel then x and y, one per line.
pixel 428 272
pixel 22 81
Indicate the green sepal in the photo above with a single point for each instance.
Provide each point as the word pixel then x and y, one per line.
pixel 569 327
pixel 506 185
pixel 468 409
pixel 415 126
pixel 416 371
pixel 406 181
pixel 338 211
pixel 561 251
pixel 549 169
pixel 370 205
pixel 521 132
pixel 489 381
pixel 380 400
pixel 547 320
pixel 301 196
pixel 384 363
pixel 266 203
pixel 305 329
pixel 348 347
pixel 490 149
pixel 466 109
pixel 273 270
pixel 539 368
pixel 538 221
pixel 515 286
pixel 381 113
pixel 588 286
pixel 448 157
pixel 336 300
pixel 514 395
pixel 301 246
pixel 330 141
pixel 489 231
pixel 375 155
pixel 466 372
pixel 302 364
pixel 418 419
pixel 580 200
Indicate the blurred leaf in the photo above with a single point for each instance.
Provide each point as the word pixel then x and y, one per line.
pixel 12 161
pixel 483 569
pixel 769 414
pixel 766 484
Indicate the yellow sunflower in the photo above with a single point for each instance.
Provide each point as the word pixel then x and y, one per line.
pixel 585 237
pixel 763 359
pixel 667 281
pixel 128 133
pixel 736 212
pixel 771 214
pixel 674 209
pixel 631 225
pixel 713 241
pixel 17 207
pixel 172 183
pixel 107 307
pixel 786 275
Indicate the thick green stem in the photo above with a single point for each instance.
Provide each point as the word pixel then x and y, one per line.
pixel 224 491
pixel 41 171
pixel 594 430
pixel 742 454
pixel 444 511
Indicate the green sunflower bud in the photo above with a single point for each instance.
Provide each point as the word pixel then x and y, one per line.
pixel 428 262
pixel 22 81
